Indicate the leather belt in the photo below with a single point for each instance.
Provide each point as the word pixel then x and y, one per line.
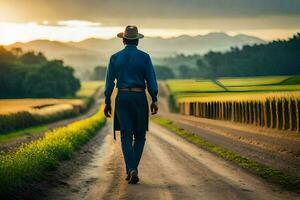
pixel 132 89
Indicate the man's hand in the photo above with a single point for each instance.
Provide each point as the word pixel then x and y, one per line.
pixel 107 110
pixel 154 108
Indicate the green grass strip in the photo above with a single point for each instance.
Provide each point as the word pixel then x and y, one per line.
pixel 16 134
pixel 29 163
pixel 291 182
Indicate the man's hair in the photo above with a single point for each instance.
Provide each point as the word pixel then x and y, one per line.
pixel 131 42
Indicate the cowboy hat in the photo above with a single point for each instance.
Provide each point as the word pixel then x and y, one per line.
pixel 130 33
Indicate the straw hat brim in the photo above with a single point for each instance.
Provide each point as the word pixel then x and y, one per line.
pixel 121 35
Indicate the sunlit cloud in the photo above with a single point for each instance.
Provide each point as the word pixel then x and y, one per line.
pixel 75 20
pixel 45 22
pixel 77 30
pixel 78 23
pixel 24 32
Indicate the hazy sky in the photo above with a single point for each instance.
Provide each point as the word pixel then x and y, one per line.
pixel 79 19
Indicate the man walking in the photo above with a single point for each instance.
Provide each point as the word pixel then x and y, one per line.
pixel 133 70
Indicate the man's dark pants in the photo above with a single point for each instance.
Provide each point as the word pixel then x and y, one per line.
pixel 132 147
pixel 132 114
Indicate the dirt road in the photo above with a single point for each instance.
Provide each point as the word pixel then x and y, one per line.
pixel 171 168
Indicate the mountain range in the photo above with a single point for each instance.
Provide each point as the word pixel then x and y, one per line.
pixel 88 53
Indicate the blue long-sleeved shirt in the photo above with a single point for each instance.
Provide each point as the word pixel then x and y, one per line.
pixel 132 68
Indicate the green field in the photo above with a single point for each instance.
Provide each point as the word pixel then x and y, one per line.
pixel 233 86
pixel 26 131
pixel 192 86
pixel 252 81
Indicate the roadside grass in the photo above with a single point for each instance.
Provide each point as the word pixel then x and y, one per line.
pixel 288 181
pixel 28 164
pixel 16 134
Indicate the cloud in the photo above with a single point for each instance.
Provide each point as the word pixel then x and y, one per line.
pixel 93 10
pixel 206 14
pixel 78 23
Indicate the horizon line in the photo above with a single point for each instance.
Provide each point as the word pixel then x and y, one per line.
pixel 157 37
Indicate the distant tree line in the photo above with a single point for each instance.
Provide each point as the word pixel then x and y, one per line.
pixel 99 73
pixel 162 73
pixel 30 74
pixel 280 57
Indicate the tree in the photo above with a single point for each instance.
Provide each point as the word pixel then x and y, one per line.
pixel 31 58
pixel 99 73
pixel 52 79
pixel 280 57
pixel 32 75
pixel 164 72
pixel 205 70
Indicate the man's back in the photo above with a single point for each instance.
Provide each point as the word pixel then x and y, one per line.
pixel 130 67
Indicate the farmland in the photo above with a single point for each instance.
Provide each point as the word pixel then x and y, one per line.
pixel 21 113
pixel 24 161
pixel 31 160
pixel 88 88
pixel 271 102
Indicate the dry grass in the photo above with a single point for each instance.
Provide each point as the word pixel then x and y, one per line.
pixel 10 106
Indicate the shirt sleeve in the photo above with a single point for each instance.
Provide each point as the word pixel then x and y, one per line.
pixel 109 81
pixel 151 80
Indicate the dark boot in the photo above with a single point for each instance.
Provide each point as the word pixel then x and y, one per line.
pixel 133 177
pixel 127 177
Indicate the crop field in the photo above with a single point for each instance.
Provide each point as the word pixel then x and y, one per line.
pixel 274 102
pixel 31 160
pixel 252 81
pixel 21 113
pixel 193 86
pixel 10 106
pixel 88 88
pixel 228 86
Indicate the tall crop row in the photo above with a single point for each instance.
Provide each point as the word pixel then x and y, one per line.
pixel 29 162
pixel 24 119
pixel 280 112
